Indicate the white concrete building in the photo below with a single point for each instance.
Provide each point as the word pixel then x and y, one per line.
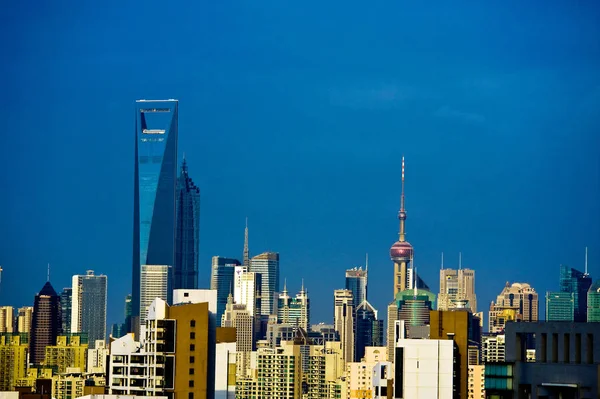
pixel 423 369
pixel 359 375
pixel 154 283
pixel 493 348
pixel 96 359
pixel 225 370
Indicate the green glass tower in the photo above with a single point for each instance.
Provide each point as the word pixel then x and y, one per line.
pixel 560 306
pixel 593 303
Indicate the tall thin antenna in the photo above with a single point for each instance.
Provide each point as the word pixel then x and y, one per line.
pixel 402 212
pixel 442 261
pixel 48 272
pixel 402 195
pixel 459 260
pixel 414 273
pixel 367 262
pixel 586 262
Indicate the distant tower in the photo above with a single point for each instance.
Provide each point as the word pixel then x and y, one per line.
pixel 88 306
pixel 46 323
pixel 356 281
pixel 66 300
pixel 154 283
pixel 343 322
pixel 267 264
pixel 246 249
pixel 457 285
pixel 221 279
pixel 187 234
pixel 401 252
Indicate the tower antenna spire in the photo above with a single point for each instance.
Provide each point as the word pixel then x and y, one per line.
pixel 442 260
pixel 402 213
pixel 367 262
pixel 586 272
pixel 48 277
pixel 246 250
pixel 414 276
pixel 459 260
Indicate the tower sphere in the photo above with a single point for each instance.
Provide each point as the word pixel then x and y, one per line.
pixel 401 250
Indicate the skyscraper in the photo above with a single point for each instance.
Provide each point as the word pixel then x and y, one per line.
pixel 155 177
pixel 518 301
pixel 6 319
pixel 593 302
pixel 457 285
pixel 24 320
pixel 294 311
pixel 88 306
pixel 369 329
pixel 187 245
pixel 46 323
pixel 356 281
pixel 154 284
pixel 401 252
pixel 246 254
pixel 267 264
pixel 66 300
pixel 577 283
pixel 343 322
pixel 559 306
pixel 221 279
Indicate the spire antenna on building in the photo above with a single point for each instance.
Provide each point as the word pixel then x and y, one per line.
pixel 48 278
pixel 402 213
pixel 442 260
pixel 246 250
pixel 302 289
pixel 415 292
pixel 585 272
pixel 459 260
pixel 367 262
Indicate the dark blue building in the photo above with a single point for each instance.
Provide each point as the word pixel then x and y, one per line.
pixel 577 283
pixel 369 330
pixel 155 177
pixel 187 233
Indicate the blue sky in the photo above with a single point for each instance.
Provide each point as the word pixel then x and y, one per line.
pixel 297 115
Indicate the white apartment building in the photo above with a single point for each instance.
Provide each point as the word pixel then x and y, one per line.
pixel 423 369
pixel 493 348
pixel 96 358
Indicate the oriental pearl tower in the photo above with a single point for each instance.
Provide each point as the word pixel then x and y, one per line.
pixel 401 252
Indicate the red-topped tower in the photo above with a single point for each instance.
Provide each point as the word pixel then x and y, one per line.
pixel 401 252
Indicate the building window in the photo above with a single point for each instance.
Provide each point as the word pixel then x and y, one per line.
pixel 191 383
pixel 186 294
pixel 192 359
pixel 192 335
pixel 192 347
pixel 191 395
pixel 191 371
pixel 192 323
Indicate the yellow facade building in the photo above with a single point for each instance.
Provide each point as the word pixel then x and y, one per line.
pixel 13 359
pixel 70 351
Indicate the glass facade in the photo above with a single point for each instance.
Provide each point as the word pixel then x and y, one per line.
pixel 356 282
pixel 46 323
pixel 369 330
pixel 559 306
pixel 578 283
pixel 88 313
pixel 221 279
pixel 267 264
pixel 187 235
pixel 593 303
pixel 155 177
pixel 65 306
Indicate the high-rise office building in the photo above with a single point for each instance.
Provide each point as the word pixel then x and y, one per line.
pixel 401 252
pixel 559 306
pixel 251 292
pixel 369 329
pixel 343 321
pixel 88 306
pixel 356 281
pixel 154 284
pixel 155 180
pixel 593 302
pixel 457 285
pixel 46 323
pixel 518 301
pixel 267 264
pixel 578 283
pixel 24 320
pixel 246 254
pixel 221 280
pixel 6 319
pixel 187 234
pixel 294 311
pixel 66 301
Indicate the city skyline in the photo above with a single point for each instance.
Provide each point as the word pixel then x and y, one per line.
pixel 494 149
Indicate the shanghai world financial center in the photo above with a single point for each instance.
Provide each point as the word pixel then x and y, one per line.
pixel 155 198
